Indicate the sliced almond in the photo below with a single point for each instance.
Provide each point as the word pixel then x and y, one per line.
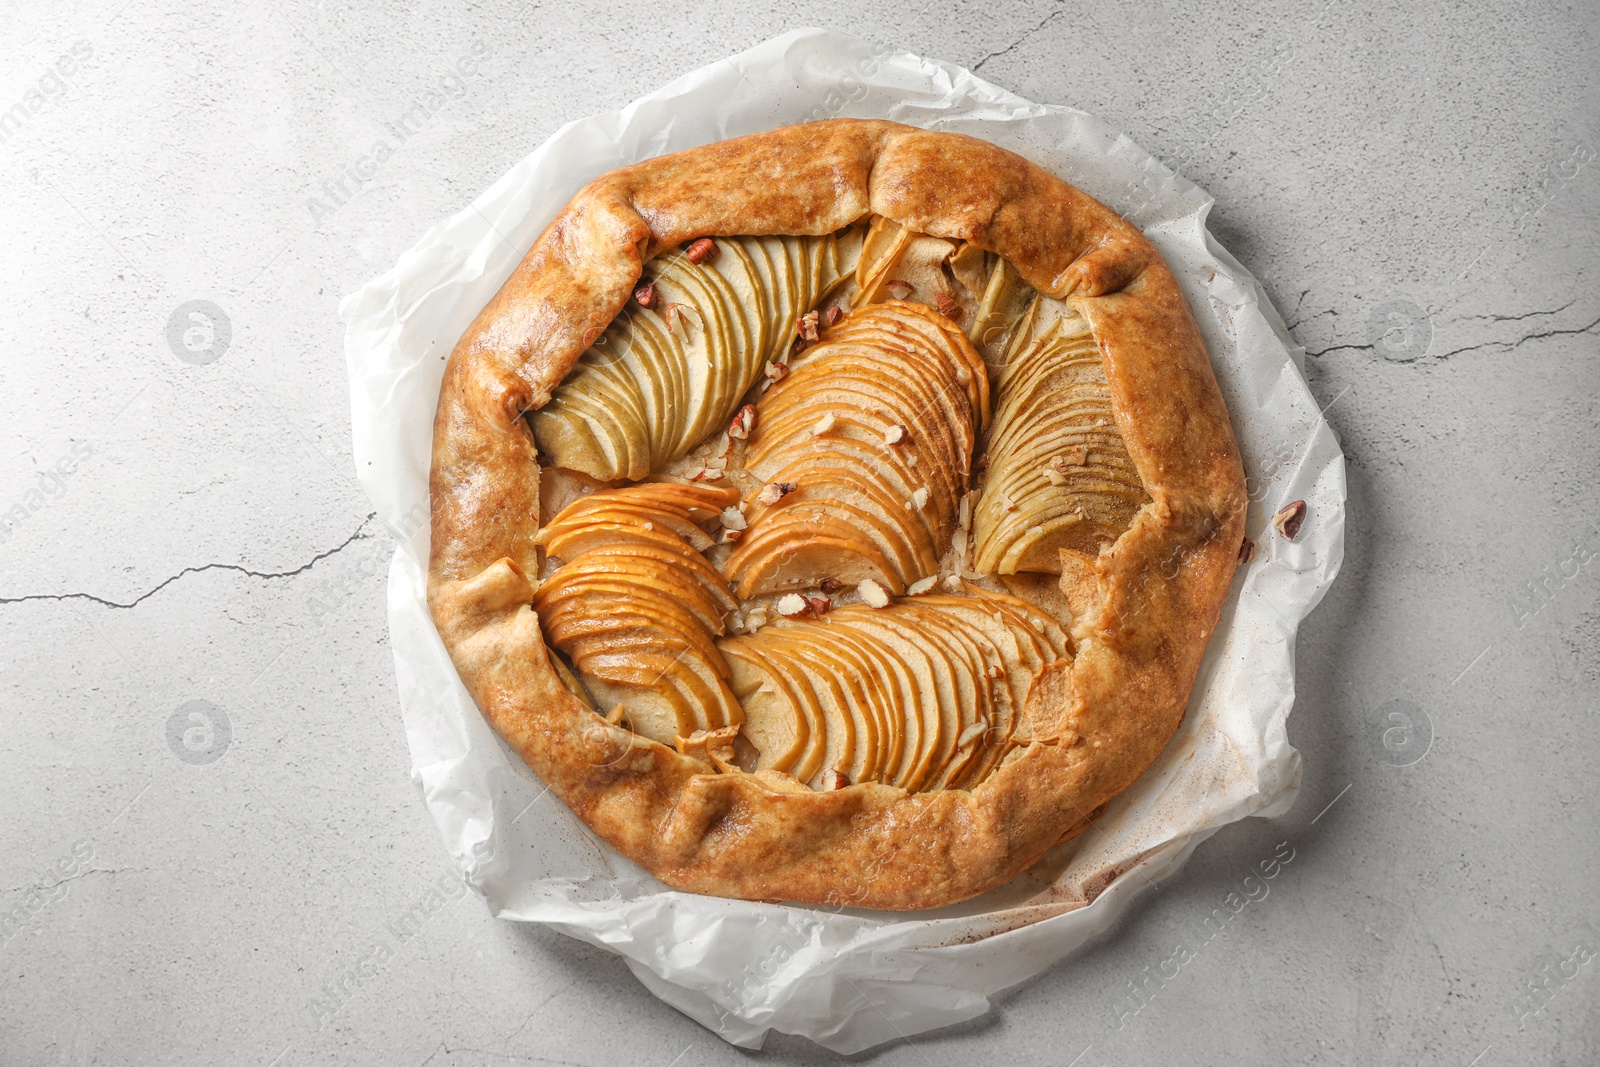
pixel 921 586
pixel 773 492
pixel 792 606
pixel 873 594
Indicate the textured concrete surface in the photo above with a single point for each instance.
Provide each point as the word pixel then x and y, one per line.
pixel 1417 187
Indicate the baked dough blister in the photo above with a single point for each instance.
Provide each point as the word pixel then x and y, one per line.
pixel 835 515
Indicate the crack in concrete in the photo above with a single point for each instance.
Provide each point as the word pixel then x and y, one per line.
pixel 47 886
pixel 1518 318
pixel 450 1050
pixel 1341 348
pixel 1519 342
pixel 1297 323
pixel 1042 24
pixel 359 535
pixel 1505 345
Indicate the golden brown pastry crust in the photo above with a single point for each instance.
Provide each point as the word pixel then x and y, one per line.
pixel 1146 607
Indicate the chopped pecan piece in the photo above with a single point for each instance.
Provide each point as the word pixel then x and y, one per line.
pixel 744 420
pixel 645 294
pixel 677 313
pixel 806 326
pixel 701 250
pixel 1289 517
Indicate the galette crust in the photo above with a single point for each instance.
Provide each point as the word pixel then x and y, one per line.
pixel 1143 610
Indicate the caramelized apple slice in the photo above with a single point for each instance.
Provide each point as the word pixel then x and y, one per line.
pixel 886 418
pixel 895 701
pixel 861 508
pixel 798 555
pixel 829 493
pixel 774 722
pixel 862 441
pixel 635 606
pixel 831 690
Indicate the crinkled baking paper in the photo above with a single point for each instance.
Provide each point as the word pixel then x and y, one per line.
pixel 847 980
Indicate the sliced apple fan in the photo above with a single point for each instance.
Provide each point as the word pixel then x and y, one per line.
pixel 850 472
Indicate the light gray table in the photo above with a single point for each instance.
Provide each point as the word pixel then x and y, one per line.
pixel 1417 188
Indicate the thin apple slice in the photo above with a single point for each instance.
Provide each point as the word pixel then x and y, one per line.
pixel 941 689
pixel 1000 313
pixel 797 649
pixel 678 564
pixel 878 395
pixel 904 320
pixel 881 248
pixel 823 742
pixel 841 422
pixel 774 723
pixel 661 380
pixel 897 704
pixel 854 495
pixel 1059 473
pixel 796 560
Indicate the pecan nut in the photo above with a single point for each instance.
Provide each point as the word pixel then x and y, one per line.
pixel 1289 517
pixel 701 250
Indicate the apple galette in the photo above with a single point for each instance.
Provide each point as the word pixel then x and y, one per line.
pixel 835 515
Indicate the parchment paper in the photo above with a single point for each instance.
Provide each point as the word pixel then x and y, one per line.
pixel 852 979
